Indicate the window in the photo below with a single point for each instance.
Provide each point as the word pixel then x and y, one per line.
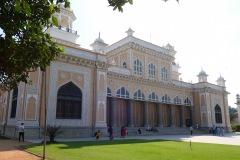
pixel 177 100
pixel 69 102
pixel 187 102
pixel 137 67
pixel 218 114
pixel 153 97
pixel 109 93
pixel 151 71
pixel 164 74
pixel 14 103
pixel 122 93
pixel 166 99
pixel 139 95
pixel 124 65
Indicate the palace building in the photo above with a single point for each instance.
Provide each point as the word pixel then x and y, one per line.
pixel 131 83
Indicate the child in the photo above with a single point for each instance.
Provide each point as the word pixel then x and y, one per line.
pixel 98 135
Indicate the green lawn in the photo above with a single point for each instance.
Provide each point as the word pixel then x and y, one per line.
pixel 137 150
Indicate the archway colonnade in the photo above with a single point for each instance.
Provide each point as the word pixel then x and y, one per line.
pixel 137 113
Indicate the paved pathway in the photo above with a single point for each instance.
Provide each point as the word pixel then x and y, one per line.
pixel 228 138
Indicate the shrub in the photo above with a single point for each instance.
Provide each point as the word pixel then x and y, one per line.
pixel 235 127
pixel 53 131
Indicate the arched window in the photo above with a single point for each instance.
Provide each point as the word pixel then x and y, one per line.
pixel 139 95
pixel 153 97
pixel 14 103
pixel 122 93
pixel 151 71
pixel 164 74
pixel 124 65
pixel 137 67
pixel 109 93
pixel 218 114
pixel 69 102
pixel 166 99
pixel 187 102
pixel 177 100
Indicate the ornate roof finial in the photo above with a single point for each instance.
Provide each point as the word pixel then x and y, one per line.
pixel 129 32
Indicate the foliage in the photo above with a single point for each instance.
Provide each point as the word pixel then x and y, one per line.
pixel 24 46
pixel 118 4
pixel 52 132
pixel 235 127
pixel 232 113
pixel 3 137
pixel 137 150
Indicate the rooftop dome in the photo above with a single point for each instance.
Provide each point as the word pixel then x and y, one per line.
pixel 99 39
pixel 220 78
pixel 202 72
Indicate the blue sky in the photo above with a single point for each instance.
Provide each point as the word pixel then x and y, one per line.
pixel 205 34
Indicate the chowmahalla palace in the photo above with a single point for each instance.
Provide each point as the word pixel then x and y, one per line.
pixel 131 83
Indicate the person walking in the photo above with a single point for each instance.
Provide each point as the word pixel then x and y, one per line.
pixel 21 132
pixel 191 130
pixel 110 131
pixel 222 129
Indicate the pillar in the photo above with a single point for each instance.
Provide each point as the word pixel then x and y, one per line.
pixel 159 115
pixel 172 123
pixel 145 114
pixel 192 115
pixel 112 111
pixel 182 107
pixel 130 112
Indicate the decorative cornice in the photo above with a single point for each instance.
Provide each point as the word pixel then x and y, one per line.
pixel 82 62
pixel 143 49
pixel 148 82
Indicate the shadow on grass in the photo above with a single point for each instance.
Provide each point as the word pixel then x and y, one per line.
pixel 80 144
pixel 3 137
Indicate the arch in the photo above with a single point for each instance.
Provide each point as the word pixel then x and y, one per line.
pixel 138 68
pixel 164 73
pixel 109 92
pixel 151 71
pixel 218 114
pixel 166 99
pixel 14 103
pixel 139 95
pixel 187 102
pixel 69 102
pixel 177 100
pixel 122 93
pixel 153 97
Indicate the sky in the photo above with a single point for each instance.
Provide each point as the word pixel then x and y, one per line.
pixel 205 33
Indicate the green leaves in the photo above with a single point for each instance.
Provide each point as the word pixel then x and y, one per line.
pixel 55 21
pixel 24 46
pixel 118 4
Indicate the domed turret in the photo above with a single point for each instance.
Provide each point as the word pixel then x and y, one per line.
pixel 99 45
pixel 202 76
pixel 221 81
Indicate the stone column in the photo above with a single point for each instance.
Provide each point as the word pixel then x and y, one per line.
pixel 159 115
pixel 130 112
pixel 145 113
pixel 112 111
pixel 182 107
pixel 172 123
pixel 192 115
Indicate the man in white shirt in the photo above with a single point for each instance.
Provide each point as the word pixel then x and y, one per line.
pixel 21 132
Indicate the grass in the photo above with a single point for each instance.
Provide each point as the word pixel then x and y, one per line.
pixel 136 150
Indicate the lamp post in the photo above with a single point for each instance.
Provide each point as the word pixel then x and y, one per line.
pixel 45 112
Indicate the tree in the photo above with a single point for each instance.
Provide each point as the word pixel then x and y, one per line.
pixel 53 131
pixel 232 113
pixel 24 46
